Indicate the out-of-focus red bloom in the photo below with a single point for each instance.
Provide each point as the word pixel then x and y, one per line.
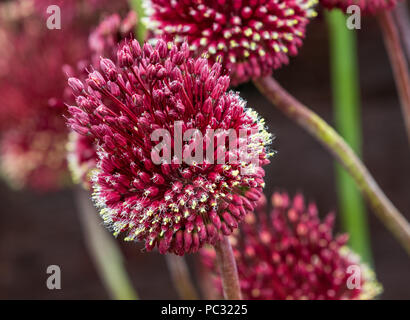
pixel 33 155
pixel 32 85
pixel 30 107
pixel 34 79
pixel 172 205
pixel 70 9
pixel 109 34
pixel 251 37
pixel 366 6
pixel 291 254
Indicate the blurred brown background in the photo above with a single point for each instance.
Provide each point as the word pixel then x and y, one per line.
pixel 40 230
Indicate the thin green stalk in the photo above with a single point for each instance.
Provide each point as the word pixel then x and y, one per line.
pixel 334 143
pixel 141 30
pixel 346 106
pixel 104 251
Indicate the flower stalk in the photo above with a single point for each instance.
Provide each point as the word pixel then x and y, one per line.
pixel 179 272
pixel 398 62
pixel 104 251
pixel 347 115
pixel 402 18
pixel 228 270
pixel 332 141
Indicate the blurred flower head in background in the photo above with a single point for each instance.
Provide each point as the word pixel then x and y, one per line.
pixel 71 9
pixel 107 37
pixel 250 37
pixel 291 254
pixel 33 132
pixel 174 206
pixel 366 6
pixel 33 155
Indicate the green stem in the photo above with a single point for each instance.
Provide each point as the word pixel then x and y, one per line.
pixel 346 106
pixel 141 29
pixel 228 271
pixel 104 251
pixel 335 144
pixel 180 277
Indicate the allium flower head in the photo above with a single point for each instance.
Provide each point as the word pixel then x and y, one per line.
pixel 251 37
pixel 291 254
pixel 366 6
pixel 170 204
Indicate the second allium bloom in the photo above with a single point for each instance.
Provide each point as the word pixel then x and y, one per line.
pixel 250 37
pixel 172 205
pixel 292 254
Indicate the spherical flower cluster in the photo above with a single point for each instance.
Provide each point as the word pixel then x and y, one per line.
pixel 172 205
pixel 366 6
pixel 291 254
pixel 251 37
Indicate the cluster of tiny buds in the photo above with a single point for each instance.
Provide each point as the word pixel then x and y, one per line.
pixel 250 37
pixel 291 254
pixel 103 41
pixel 170 205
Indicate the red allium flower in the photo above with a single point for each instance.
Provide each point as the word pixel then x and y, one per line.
pixel 291 254
pixel 103 41
pixel 366 6
pixel 170 204
pixel 33 155
pixel 252 37
pixel 81 157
